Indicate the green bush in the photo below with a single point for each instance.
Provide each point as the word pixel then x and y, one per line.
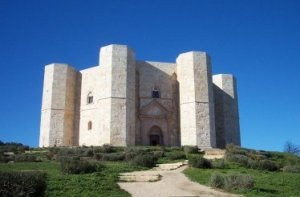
pixel 238 181
pixel 253 164
pixel 218 164
pixel 197 161
pixel 113 157
pixel 289 168
pixel 26 158
pixel 217 181
pixel 175 155
pixel 173 148
pixel 13 147
pixel 237 158
pixel 106 148
pixel 145 160
pixel 158 154
pixel 98 156
pixel 89 152
pixel 190 149
pixel 267 165
pixel 132 152
pixel 29 183
pixel 73 166
pixel 129 156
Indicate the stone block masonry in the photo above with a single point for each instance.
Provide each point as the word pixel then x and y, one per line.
pixel 124 101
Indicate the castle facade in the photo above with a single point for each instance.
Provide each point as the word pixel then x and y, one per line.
pixel 124 101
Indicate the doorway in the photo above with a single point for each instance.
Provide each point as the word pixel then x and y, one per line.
pixel 155 136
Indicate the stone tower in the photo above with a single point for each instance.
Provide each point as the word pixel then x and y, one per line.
pixel 197 119
pixel 226 106
pixel 120 64
pixel 58 105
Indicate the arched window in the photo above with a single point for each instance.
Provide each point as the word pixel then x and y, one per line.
pixel 90 98
pixel 155 93
pixel 90 125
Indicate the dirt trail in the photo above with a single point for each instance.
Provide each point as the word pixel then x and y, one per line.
pixel 172 183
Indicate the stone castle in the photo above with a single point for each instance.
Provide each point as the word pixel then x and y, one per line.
pixel 124 102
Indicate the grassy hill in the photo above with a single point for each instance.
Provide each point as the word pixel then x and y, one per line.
pixel 93 171
pixel 267 182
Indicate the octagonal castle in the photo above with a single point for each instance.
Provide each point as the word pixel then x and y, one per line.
pixel 124 101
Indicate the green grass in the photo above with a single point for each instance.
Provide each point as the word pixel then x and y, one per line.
pixel 102 183
pixel 266 183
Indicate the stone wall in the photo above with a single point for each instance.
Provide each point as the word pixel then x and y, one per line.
pixel 158 112
pixel 95 83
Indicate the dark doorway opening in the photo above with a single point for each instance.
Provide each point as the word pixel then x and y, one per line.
pixel 155 136
pixel 154 140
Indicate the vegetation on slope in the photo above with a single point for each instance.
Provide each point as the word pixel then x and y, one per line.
pixel 79 171
pixel 252 173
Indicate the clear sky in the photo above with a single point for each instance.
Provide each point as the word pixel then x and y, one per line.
pixel 257 40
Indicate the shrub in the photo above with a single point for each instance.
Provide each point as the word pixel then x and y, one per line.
pixel 197 161
pixel 253 164
pixel 158 154
pixel 67 152
pixel 72 166
pixel 98 156
pixel 145 160
pixel 176 155
pixel 173 148
pixel 113 156
pixel 29 183
pixel 129 156
pixel 190 149
pixel 50 155
pixel 238 181
pixel 106 148
pixel 13 147
pixel 219 164
pixel 289 168
pixel 237 158
pixel 89 152
pixel 217 181
pixel 267 165
pixel 132 152
pixel 26 158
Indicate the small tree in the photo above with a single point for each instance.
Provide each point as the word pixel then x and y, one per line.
pixel 289 147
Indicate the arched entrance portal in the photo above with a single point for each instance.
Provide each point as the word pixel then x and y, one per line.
pixel 155 136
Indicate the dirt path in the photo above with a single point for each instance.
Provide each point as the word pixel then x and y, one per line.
pixel 172 183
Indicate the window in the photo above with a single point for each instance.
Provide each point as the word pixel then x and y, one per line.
pixel 90 125
pixel 155 93
pixel 90 98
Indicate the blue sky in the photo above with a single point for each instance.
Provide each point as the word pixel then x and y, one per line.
pixel 257 40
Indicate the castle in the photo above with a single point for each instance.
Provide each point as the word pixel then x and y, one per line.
pixel 124 102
